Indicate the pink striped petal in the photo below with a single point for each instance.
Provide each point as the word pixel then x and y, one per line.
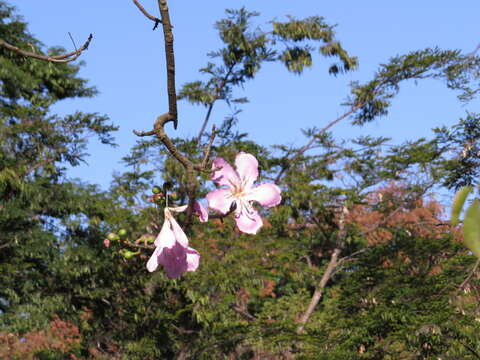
pixel 250 223
pixel 247 168
pixel 166 237
pixel 265 194
pixel 180 236
pixel 225 175
pixel 193 259
pixel 220 200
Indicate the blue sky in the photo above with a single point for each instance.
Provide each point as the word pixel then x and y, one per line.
pixel 126 63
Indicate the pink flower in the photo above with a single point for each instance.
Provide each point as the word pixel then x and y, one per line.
pixel 106 242
pixel 240 190
pixel 200 211
pixel 172 250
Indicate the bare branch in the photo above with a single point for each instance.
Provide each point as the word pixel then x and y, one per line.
pixel 171 115
pixel 170 59
pixel 470 275
pixel 318 293
pixel 208 149
pixel 210 107
pixel 311 143
pixel 149 16
pixel 137 245
pixel 39 164
pixel 63 58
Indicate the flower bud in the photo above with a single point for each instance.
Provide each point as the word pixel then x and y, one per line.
pixel 113 237
pixel 122 233
pixel 127 254
pixel 158 199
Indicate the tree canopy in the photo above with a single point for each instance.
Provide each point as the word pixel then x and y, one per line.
pixel 357 261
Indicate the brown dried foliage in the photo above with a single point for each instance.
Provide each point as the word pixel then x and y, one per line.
pixel 268 287
pixel 60 336
pixel 387 209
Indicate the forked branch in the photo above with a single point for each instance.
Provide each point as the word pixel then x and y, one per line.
pixel 63 58
pixel 172 115
pixel 147 14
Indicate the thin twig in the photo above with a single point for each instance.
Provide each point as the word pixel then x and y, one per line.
pixel 470 275
pixel 137 245
pixel 208 149
pixel 39 164
pixel 309 145
pixel 63 58
pixel 223 216
pixel 472 54
pixel 149 16
pixel 217 96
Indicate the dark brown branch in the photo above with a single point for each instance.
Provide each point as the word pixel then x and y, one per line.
pixel 471 349
pixel 149 16
pixel 205 121
pixel 170 59
pixel 223 216
pixel 63 58
pixel 171 115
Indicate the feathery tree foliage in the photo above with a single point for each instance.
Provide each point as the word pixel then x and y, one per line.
pixel 356 262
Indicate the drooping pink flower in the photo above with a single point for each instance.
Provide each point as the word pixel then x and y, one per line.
pixel 200 211
pixel 238 188
pixel 172 250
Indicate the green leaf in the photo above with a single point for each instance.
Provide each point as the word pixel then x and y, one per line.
pixel 471 228
pixel 458 203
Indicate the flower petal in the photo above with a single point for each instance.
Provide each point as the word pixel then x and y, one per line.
pixel 166 237
pixel 201 212
pixel 225 175
pixel 247 168
pixel 178 209
pixel 152 263
pixel 174 260
pixel 193 259
pixel 265 194
pixel 220 200
pixel 180 236
pixel 249 222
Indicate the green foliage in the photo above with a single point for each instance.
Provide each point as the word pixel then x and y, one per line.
pixel 70 250
pixel 458 71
